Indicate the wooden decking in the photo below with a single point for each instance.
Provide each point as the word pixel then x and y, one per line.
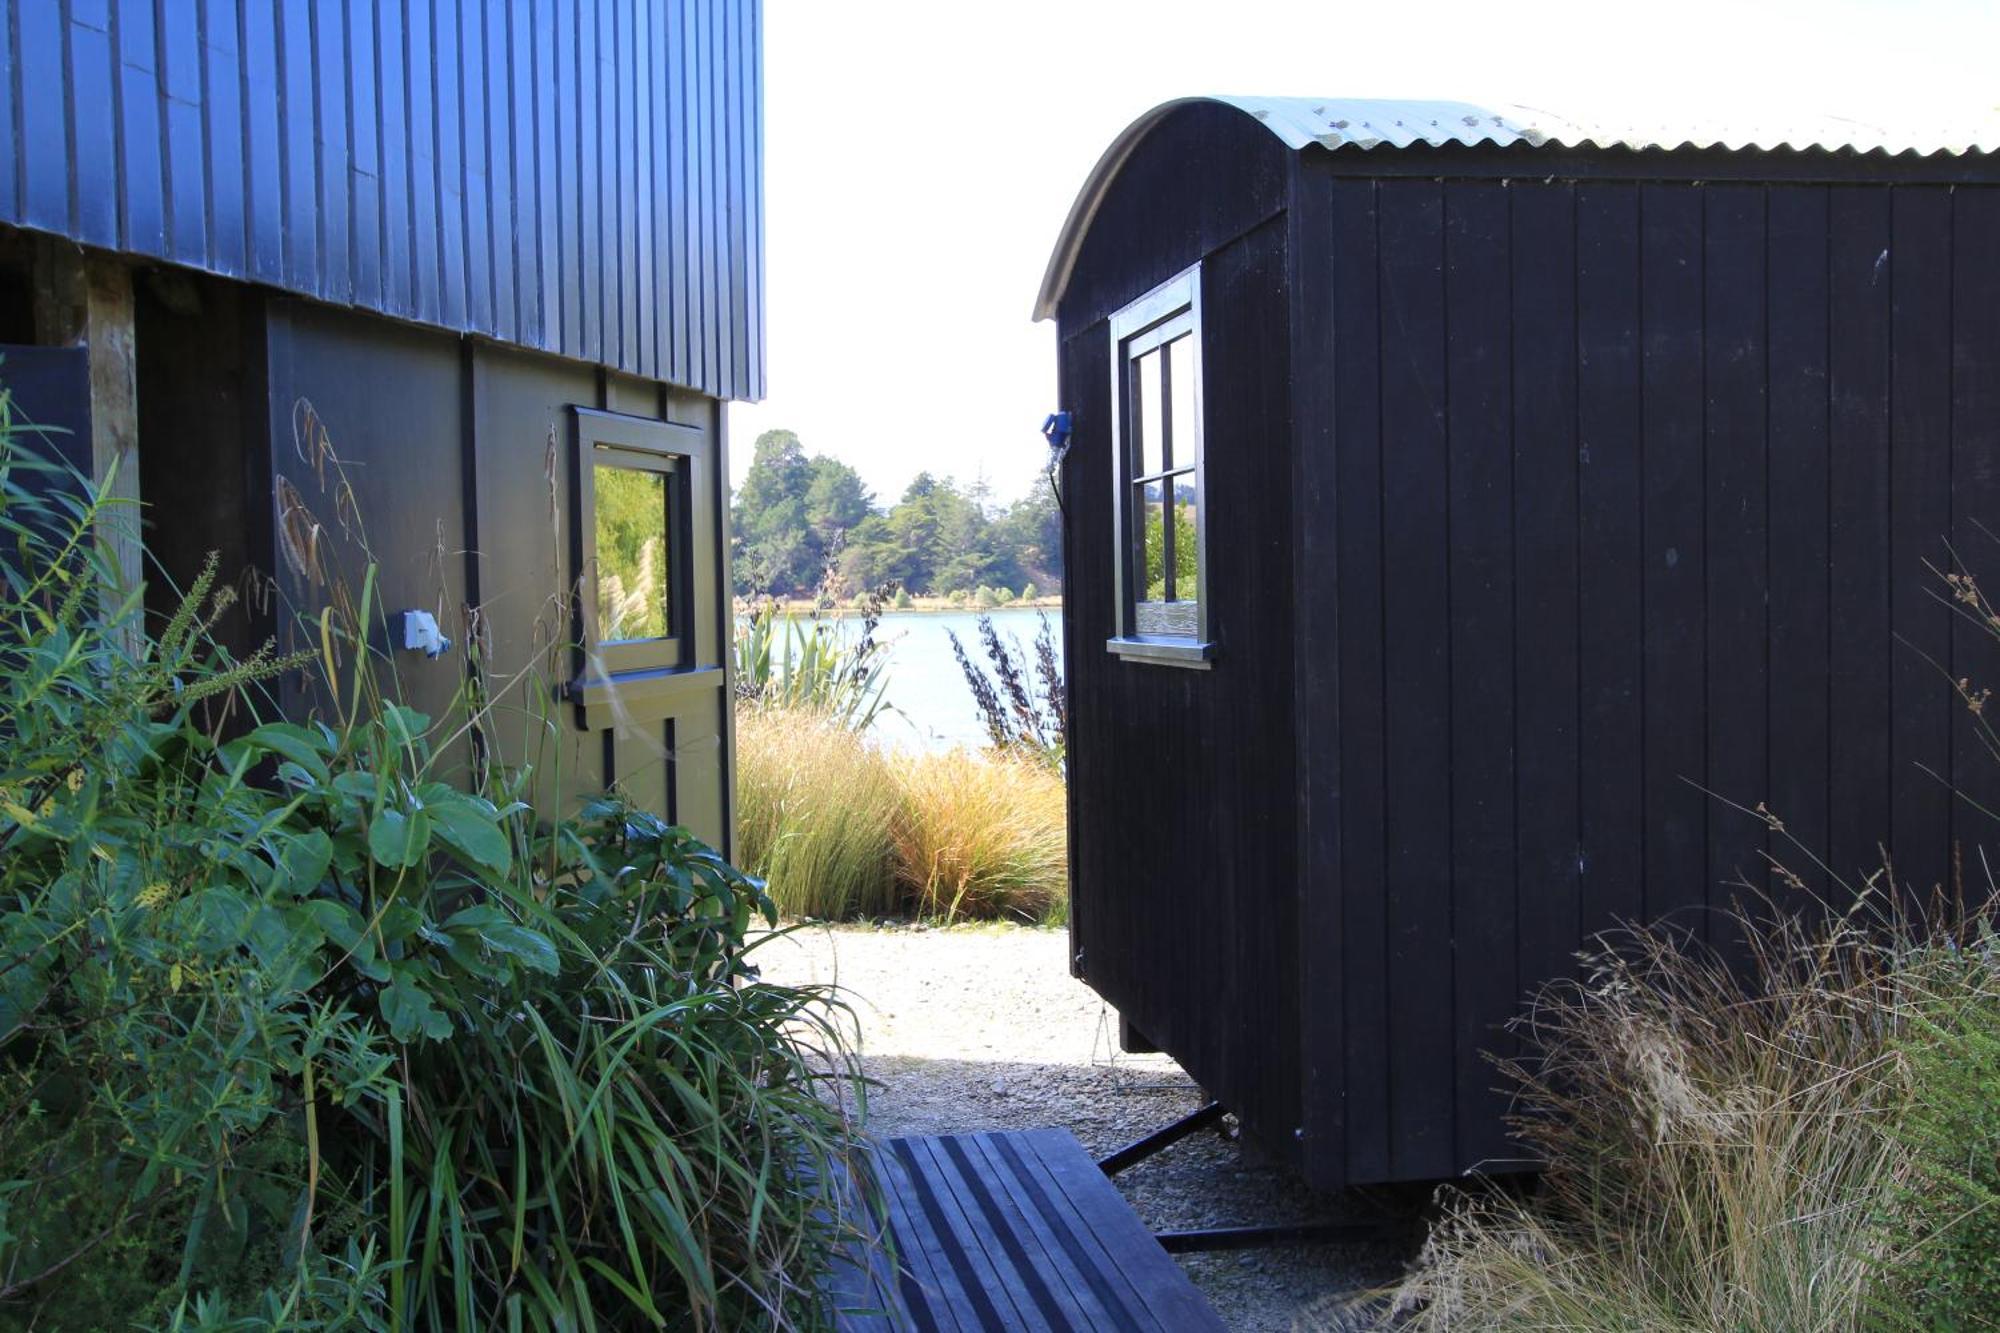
pixel 1010 1231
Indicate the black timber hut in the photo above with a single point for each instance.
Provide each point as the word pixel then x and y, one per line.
pixel 445 273
pixel 1463 508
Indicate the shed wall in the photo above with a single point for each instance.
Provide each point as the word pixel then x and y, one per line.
pixel 582 177
pixel 1633 488
pixel 1181 796
pixel 312 442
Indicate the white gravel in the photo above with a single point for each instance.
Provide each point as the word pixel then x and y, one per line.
pixel 975 1028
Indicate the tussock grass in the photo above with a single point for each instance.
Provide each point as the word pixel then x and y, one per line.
pixel 816 809
pixel 1722 1145
pixel 840 828
pixel 982 836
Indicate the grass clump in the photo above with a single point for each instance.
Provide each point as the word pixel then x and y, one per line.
pixel 1803 1142
pixel 816 806
pixel 982 836
pixel 841 828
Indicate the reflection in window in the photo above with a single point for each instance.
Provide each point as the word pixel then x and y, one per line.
pixel 1166 499
pixel 633 574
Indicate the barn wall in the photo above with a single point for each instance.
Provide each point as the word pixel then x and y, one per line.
pixel 579 176
pixel 1182 806
pixel 1633 486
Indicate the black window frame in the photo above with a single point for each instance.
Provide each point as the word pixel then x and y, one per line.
pixel 1168 314
pixel 641 444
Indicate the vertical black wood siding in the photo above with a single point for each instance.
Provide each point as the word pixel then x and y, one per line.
pixel 1636 486
pixel 1183 804
pixel 578 176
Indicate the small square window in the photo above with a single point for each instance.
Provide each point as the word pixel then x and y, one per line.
pixel 1158 482
pixel 634 569
pixel 631 546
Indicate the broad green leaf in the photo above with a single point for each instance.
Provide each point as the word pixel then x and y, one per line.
pixel 531 947
pixel 396 839
pixel 410 1013
pixel 290 741
pixel 470 829
pixel 399 922
pixel 303 862
pixel 477 917
pixel 343 925
pixel 405 724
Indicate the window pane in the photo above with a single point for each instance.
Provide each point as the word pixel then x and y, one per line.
pixel 1180 354
pixel 1187 550
pixel 1151 512
pixel 1151 410
pixel 633 577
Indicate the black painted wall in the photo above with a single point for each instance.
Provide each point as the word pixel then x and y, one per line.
pixel 446 463
pixel 1181 795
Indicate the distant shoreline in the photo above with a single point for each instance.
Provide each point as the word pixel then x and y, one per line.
pixel 801 606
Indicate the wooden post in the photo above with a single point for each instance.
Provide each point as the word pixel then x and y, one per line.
pixel 84 299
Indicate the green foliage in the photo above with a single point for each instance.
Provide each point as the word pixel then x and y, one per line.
pixel 786 661
pixel 1186 554
pixel 793 515
pixel 1941 1271
pixel 295 1035
pixel 633 577
pixel 799 518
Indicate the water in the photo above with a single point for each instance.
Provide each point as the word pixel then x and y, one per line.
pixel 933 708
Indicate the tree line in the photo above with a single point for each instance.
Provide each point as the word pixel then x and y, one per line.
pixel 804 525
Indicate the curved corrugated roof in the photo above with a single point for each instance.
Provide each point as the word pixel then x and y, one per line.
pixel 1349 124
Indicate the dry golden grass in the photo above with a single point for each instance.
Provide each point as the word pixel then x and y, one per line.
pixel 1719 1146
pixel 841 828
pixel 981 835
pixel 815 808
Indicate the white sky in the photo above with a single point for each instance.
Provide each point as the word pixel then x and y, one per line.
pixel 920 157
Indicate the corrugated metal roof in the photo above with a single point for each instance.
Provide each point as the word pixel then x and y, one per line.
pixel 1350 124
pixel 1361 123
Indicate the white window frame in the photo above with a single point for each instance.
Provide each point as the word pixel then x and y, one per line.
pixel 1170 311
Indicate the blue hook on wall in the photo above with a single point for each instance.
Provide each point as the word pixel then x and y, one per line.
pixel 1055 429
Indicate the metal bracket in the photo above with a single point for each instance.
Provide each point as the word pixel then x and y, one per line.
pixel 1296 1233
pixel 1140 1149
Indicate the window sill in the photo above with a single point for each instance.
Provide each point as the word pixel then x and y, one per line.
pixel 638 696
pixel 1192 653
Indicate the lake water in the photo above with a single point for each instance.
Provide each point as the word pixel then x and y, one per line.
pixel 933 707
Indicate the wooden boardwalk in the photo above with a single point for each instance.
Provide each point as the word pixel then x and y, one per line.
pixel 1009 1231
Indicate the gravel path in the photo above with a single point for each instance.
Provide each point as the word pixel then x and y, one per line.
pixel 983 1028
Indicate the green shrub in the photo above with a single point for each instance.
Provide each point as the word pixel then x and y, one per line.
pixel 1941 1269
pixel 901 599
pixel 784 662
pixel 297 1036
